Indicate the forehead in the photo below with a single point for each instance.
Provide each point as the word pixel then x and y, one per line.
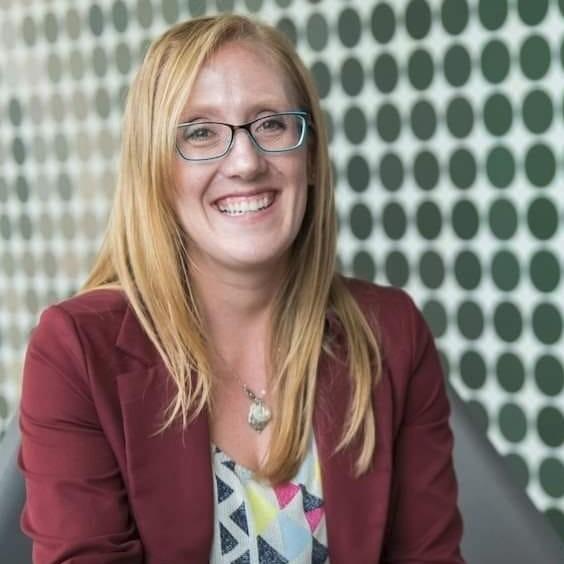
pixel 240 76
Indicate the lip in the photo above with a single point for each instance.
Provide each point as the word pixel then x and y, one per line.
pixel 249 217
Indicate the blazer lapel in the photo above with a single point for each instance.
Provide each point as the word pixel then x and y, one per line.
pixel 168 473
pixel 356 508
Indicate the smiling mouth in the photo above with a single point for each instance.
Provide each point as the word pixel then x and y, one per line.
pixel 245 205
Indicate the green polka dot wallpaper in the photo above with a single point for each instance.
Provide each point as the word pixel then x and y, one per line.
pixel 446 120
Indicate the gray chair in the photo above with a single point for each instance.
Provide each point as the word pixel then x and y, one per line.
pixel 15 548
pixel 501 525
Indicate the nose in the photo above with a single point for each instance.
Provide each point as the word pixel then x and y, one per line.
pixel 244 158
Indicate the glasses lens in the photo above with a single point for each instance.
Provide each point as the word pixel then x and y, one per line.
pixel 279 132
pixel 203 140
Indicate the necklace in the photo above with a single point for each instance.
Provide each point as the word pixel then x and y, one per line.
pixel 259 414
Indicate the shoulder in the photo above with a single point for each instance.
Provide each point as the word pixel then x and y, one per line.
pixel 396 319
pixel 92 315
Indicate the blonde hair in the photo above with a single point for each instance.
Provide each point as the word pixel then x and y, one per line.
pixel 144 237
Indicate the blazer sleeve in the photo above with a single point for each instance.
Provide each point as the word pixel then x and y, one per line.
pixel 76 508
pixel 425 526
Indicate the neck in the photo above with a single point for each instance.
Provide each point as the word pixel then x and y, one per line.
pixel 237 307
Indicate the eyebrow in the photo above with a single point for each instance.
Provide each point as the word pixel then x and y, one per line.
pixel 264 106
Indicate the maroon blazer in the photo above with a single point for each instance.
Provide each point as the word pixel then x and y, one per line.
pixel 103 488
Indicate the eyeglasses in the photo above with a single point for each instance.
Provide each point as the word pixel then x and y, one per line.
pixel 274 133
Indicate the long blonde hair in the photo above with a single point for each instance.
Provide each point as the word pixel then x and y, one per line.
pixel 144 252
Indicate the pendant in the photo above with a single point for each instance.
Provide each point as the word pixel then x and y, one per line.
pixel 259 415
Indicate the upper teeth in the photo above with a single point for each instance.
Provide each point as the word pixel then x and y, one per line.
pixel 237 206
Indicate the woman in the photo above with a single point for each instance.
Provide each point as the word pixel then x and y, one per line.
pixel 217 392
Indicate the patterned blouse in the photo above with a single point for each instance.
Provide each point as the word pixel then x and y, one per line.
pixel 260 524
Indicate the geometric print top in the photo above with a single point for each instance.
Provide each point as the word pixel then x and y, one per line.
pixel 256 523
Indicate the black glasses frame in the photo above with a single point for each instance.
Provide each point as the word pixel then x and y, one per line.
pixel 247 127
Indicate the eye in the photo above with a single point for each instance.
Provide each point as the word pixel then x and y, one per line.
pixel 199 133
pixel 271 125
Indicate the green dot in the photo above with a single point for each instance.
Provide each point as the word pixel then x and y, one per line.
pixel 99 61
pixel 73 23
pixel 426 170
pixel 547 323
pixel 22 189
pixel 542 218
pixel 96 19
pixel 418 19
pixel 145 13
pixel 432 269
pixel 51 27
pixel 505 270
pixel 123 57
pixel 197 8
pixel 355 125
pixel 420 69
pixel 423 120
pixel 498 114
pixel 18 150
pixel 551 475
pixel 394 221
pixel 54 67
pixel 284 3
pixel 493 13
pixel 317 31
pixel 429 220
pixel 544 270
pixel 465 219
pixel 29 31
pixel 25 227
pixel 454 15
pixel 363 266
pixel 397 269
pixel 436 317
pixel 495 61
pixel 462 168
pixel 349 27
pixel 468 270
pixel 512 422
pixel 472 369
pixel 119 15
pixel 537 111
pixel 503 219
pixel 103 103
pixel 550 424
pixel 460 117
pixel 361 221
pixel 540 164
pixel 518 469
pixel 479 415
pixel 470 320
pixel 15 112
pixel 5 227
pixel 385 73
pixel 510 372
pixel 391 172
pixel 556 516
pixel 508 322
pixel 383 22
pixel 549 375
pixel 532 13
pixel 288 28
pixel 322 77
pixel 457 65
pixel 388 122
pixel 358 173
pixel 77 65
pixel 500 166
pixel 535 57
